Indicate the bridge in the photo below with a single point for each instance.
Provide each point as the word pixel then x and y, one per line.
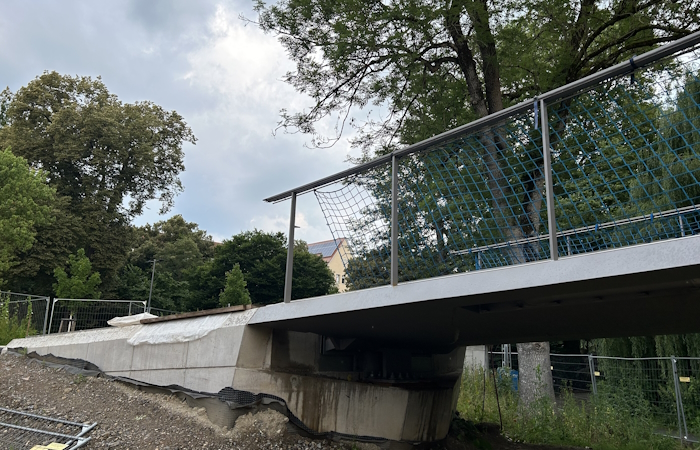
pixel 572 215
pixel 449 239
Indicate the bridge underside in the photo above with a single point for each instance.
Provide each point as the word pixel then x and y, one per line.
pixel 640 290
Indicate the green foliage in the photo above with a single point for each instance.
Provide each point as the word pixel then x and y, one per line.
pixel 436 65
pixel 104 158
pixel 262 259
pixel 24 204
pixel 80 282
pixel 180 249
pixel 614 419
pixel 11 326
pixel 235 292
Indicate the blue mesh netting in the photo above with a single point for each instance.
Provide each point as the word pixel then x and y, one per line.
pixel 625 168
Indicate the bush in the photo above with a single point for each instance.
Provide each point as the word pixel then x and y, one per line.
pixel 612 419
pixel 11 326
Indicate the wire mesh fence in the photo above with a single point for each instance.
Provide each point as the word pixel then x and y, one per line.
pixel 85 314
pixel 623 157
pixel 29 311
pixel 24 431
pixel 359 210
pixel 665 388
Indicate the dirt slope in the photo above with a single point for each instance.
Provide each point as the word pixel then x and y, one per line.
pixel 130 419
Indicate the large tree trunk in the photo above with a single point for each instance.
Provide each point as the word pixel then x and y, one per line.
pixel 535 373
pixel 534 363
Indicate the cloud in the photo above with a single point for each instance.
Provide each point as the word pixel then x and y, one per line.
pixel 222 75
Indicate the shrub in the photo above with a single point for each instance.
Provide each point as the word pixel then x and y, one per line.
pixel 618 419
pixel 11 326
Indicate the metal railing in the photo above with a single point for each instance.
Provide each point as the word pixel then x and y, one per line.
pixel 84 314
pixel 23 430
pixel 666 387
pixel 69 314
pixel 23 306
pixel 607 161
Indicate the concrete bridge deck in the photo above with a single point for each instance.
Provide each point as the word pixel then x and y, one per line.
pixel 638 290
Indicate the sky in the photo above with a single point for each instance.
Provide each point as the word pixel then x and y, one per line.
pixel 222 74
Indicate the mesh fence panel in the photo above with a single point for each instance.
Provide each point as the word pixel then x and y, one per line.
pixel 625 158
pixel 23 431
pixel 625 169
pixel 359 210
pixel 88 314
pixel 641 386
pixel 23 307
pixel 646 383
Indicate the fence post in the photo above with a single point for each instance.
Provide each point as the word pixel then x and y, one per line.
pixel 394 221
pixel 290 252
pixel 549 184
pixel 46 314
pixel 679 403
pixel 591 367
pixel 53 306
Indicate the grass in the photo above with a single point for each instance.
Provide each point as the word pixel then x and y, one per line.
pixel 609 420
pixel 12 327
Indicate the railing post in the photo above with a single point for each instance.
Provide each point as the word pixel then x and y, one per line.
pixel 394 221
pixel 591 367
pixel 549 185
pixel 679 403
pixel 290 252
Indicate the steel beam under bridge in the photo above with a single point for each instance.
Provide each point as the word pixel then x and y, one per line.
pixel 639 290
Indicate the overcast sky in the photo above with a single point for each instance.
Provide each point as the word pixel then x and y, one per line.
pixel 200 59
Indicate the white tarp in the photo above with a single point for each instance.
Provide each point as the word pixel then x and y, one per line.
pixel 126 321
pixel 183 330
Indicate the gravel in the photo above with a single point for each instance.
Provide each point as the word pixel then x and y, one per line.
pixel 131 419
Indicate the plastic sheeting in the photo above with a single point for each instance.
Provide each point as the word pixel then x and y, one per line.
pixel 178 330
pixel 126 321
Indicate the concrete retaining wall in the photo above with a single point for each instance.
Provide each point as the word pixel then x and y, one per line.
pixel 261 360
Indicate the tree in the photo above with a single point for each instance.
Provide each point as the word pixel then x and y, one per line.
pixel 105 158
pixel 434 65
pixel 262 258
pixel 235 292
pixel 80 282
pixel 25 200
pixel 180 248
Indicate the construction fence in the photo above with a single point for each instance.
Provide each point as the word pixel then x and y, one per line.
pixel 46 315
pixel 667 387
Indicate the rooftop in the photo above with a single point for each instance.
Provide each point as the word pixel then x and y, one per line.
pixel 325 248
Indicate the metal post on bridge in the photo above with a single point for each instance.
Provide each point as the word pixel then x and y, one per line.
pixel 290 252
pixel 549 184
pixel 394 221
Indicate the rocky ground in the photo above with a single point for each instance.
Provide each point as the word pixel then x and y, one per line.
pixel 131 419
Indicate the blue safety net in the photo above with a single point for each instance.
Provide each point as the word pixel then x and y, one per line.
pixel 625 168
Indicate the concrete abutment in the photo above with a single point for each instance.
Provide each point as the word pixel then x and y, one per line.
pixel 346 386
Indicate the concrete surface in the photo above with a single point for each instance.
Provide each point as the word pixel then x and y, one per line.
pixel 342 387
pixel 638 290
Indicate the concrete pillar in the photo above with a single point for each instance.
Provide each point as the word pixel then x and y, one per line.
pixel 476 356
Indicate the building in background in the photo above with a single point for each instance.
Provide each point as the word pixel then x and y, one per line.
pixel 330 251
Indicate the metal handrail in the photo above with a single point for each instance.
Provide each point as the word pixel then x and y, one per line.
pixel 575 231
